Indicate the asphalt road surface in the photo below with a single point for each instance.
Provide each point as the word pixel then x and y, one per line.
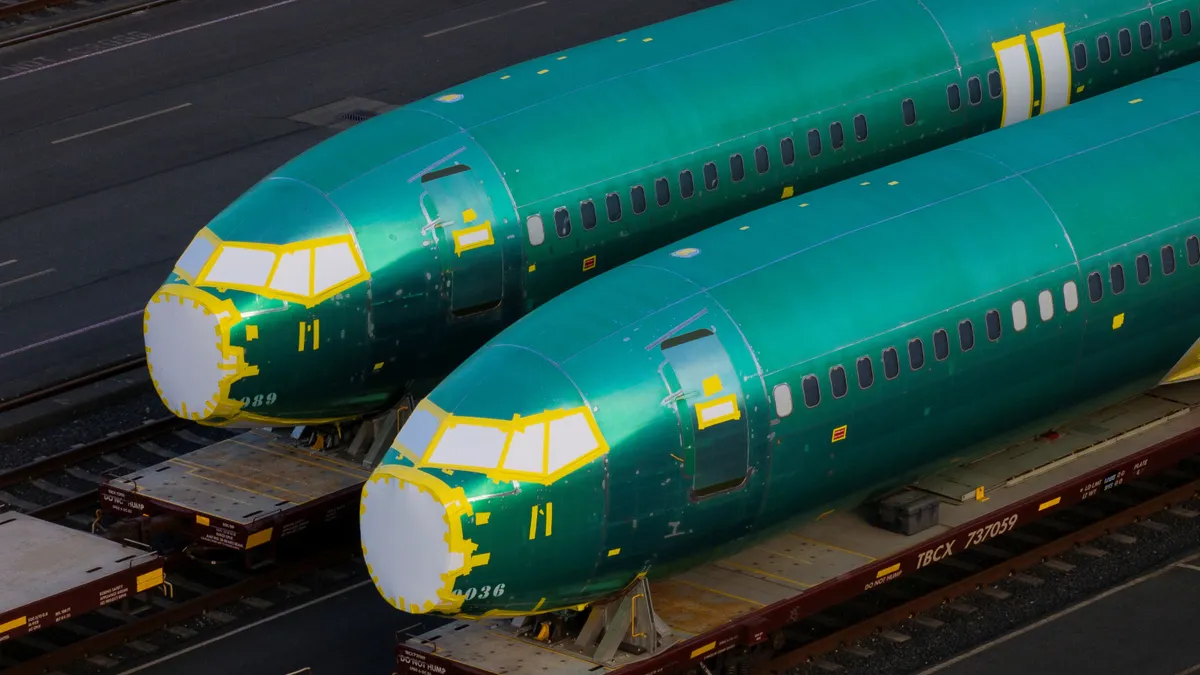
pixel 120 140
pixel 1144 627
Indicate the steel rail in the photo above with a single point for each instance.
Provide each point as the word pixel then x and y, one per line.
pixel 52 30
pixel 79 453
pixel 102 373
pixel 1019 563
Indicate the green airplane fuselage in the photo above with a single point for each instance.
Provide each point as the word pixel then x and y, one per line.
pixel 465 210
pixel 800 357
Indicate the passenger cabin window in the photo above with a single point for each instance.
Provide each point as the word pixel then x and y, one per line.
pixel 812 391
pixel 613 203
pixel 860 127
pixel 710 176
pixel 783 400
pixel 1124 41
pixel 1104 48
pixel 662 192
pixel 1164 29
pixel 1019 317
pixel 992 318
pixel 1116 276
pixel 562 222
pixel 1080 56
pixel 787 150
pixel 974 91
pixel 1095 287
pixel 941 345
pixel 537 231
pixel 587 213
pixel 1070 296
pixel 916 354
pixel 866 376
pixel 1143 268
pixel 953 98
pixel 1193 250
pixel 909 109
pixel 1168 259
pixel 814 143
pixel 761 161
pixel 994 84
pixel 1185 22
pixel 1046 305
pixel 638 196
pixel 836 138
pixel 686 187
pixel 837 381
pixel 1145 34
pixel 891 363
pixel 737 170
pixel 966 335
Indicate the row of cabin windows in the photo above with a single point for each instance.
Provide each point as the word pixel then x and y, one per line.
pixel 787 150
pixel 974 91
pixel 711 180
pixel 1125 39
pixel 811 387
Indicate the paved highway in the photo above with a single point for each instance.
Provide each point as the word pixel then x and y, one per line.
pixel 120 140
pixel 1144 627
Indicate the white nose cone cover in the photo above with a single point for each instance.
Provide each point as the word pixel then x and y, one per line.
pixel 406 533
pixel 184 349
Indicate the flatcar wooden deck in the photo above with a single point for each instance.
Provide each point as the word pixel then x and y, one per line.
pixel 243 491
pixel 50 573
pixel 840 554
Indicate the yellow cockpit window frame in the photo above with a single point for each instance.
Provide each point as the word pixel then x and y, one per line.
pixel 279 250
pixel 421 457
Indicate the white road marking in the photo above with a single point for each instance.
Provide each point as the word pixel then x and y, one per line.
pixel 247 627
pixel 1190 567
pixel 7 262
pixel 187 29
pixel 1069 610
pixel 121 124
pixel 486 18
pixel 21 350
pixel 27 277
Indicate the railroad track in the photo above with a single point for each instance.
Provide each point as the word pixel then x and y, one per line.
pixel 200 601
pixel 48 17
pixel 207 589
pixel 903 615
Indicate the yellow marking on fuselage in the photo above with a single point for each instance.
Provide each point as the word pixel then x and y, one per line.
pixel 316 334
pixel 1136 100
pixel 543 71
pixel 303 327
pixel 893 182
pixel 831 546
pixel 549 518
pixel 1118 321
pixel 614 551
pixel 251 333
pixel 711 385
pixel 533 522
pixel 482 517
pixel 788 191
pixel 647 39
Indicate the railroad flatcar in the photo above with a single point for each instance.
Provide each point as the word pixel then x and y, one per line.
pixel 806 356
pixel 373 263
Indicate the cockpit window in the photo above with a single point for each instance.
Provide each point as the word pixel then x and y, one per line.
pixel 539 448
pixel 240 266
pixel 306 272
pixel 196 254
pixel 333 264
pixel 293 275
